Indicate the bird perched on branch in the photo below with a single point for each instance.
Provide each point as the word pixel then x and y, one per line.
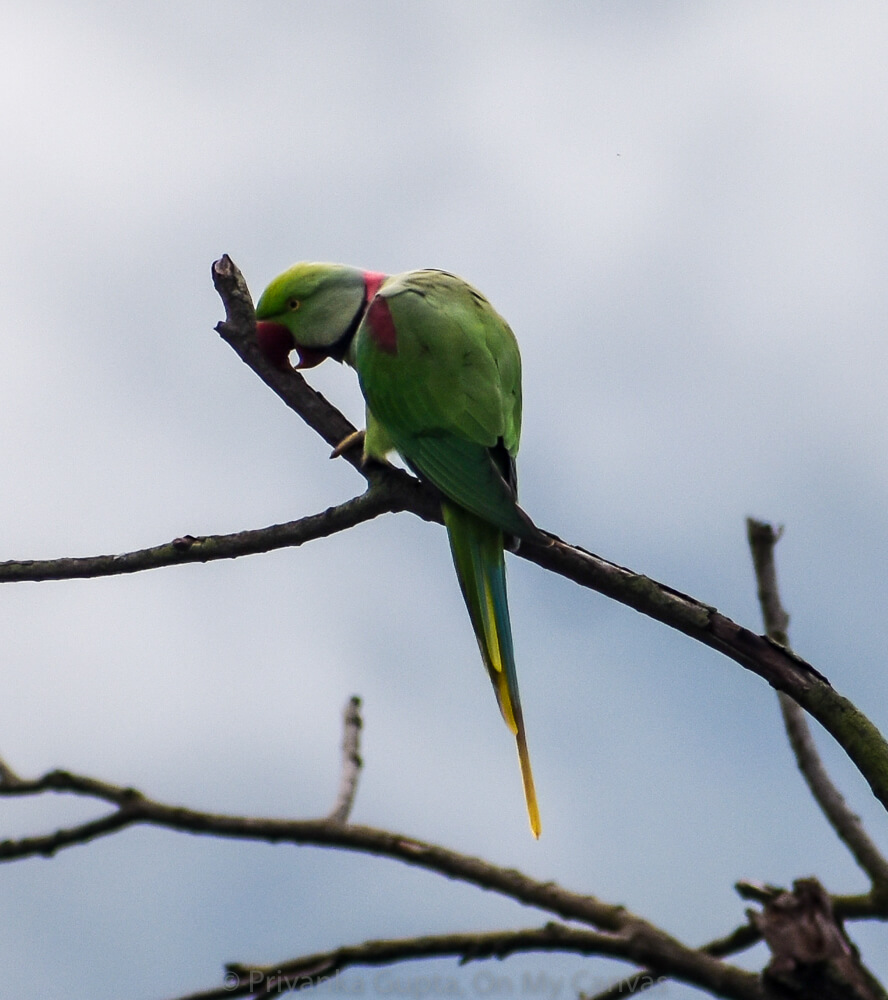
pixel 440 372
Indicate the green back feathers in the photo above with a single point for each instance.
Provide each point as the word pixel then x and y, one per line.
pixel 449 396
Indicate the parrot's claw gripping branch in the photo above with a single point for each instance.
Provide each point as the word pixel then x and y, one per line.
pixel 353 440
pixel 351 761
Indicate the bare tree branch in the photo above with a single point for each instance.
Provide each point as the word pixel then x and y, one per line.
pixel 381 498
pixel 625 934
pixel 266 981
pixel 847 824
pixel 311 970
pixel 351 761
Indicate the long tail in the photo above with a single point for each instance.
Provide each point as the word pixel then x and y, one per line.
pixel 477 549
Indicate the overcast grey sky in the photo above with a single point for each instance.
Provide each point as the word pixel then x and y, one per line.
pixel 680 208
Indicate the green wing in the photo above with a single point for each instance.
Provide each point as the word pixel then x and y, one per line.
pixel 449 396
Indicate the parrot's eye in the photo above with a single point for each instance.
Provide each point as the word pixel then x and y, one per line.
pixel 293 305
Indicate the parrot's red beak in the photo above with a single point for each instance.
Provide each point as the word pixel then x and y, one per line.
pixel 276 342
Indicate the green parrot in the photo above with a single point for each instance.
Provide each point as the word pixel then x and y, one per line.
pixel 440 372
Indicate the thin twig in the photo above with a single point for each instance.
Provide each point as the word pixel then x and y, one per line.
pixel 308 970
pixel 847 824
pixel 8 777
pixel 351 761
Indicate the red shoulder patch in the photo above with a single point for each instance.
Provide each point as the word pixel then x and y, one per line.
pixel 372 282
pixel 382 326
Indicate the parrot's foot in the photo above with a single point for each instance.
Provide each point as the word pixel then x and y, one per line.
pixel 356 437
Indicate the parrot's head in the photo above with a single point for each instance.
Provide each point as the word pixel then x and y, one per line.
pixel 313 309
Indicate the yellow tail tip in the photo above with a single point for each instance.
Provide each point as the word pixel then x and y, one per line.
pixel 536 828
pixel 533 810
